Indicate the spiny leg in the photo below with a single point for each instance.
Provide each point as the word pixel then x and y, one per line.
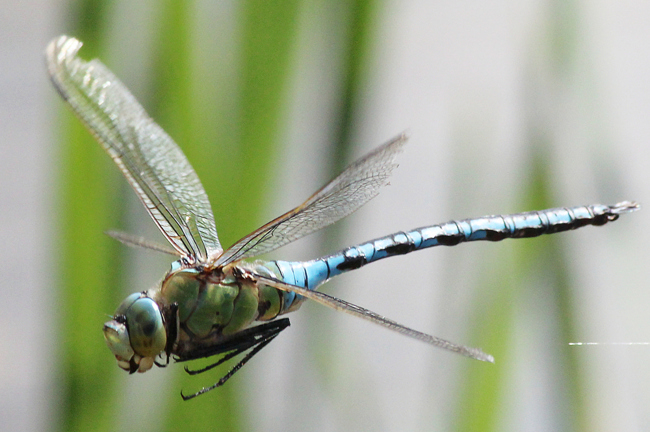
pixel 241 340
pixel 232 371
pixel 222 360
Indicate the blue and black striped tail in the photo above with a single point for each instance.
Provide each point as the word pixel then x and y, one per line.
pixel 311 274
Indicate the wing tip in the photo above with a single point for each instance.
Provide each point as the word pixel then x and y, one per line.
pixel 60 48
pixel 59 51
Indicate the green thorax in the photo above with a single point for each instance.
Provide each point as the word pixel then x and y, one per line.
pixel 210 306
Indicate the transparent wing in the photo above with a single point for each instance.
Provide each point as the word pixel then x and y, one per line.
pixel 140 242
pixel 150 160
pixel 358 311
pixel 358 184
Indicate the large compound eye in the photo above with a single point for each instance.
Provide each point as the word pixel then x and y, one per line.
pixel 146 328
pixel 126 304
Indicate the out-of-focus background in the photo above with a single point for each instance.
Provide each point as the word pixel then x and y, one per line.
pixel 511 106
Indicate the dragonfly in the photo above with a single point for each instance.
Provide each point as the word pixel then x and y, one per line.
pixel 219 304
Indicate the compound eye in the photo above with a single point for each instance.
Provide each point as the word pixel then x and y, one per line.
pixel 146 329
pixel 126 303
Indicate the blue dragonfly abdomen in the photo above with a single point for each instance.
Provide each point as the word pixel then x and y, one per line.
pixel 311 274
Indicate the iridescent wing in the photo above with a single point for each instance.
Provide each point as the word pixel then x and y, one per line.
pixel 358 184
pixel 153 164
pixel 352 309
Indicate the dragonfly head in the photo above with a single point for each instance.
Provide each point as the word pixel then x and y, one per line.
pixel 136 334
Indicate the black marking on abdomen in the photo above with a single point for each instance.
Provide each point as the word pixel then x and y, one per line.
pixel 401 248
pixel 453 238
pixel 450 239
pixel 352 262
pixel 329 270
pixel 529 232
pixel 496 235
pixel 279 270
pixel 304 270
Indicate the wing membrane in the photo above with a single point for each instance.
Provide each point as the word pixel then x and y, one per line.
pixel 354 187
pixel 153 164
pixel 352 309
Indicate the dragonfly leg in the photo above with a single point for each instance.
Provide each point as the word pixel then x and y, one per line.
pixel 258 345
pixel 241 340
pixel 223 359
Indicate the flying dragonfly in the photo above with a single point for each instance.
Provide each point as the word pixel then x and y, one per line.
pixel 214 302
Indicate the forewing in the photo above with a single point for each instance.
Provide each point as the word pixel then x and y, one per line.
pixel 153 164
pixel 358 184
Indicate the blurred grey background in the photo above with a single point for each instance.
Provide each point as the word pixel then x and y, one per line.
pixel 483 89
